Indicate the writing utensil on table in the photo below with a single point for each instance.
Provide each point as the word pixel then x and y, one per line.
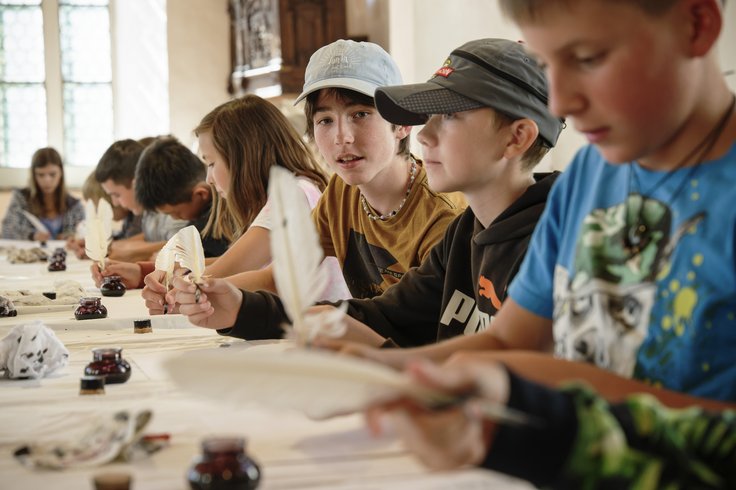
pixel 37 224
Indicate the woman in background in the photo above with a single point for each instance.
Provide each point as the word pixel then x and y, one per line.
pixel 47 199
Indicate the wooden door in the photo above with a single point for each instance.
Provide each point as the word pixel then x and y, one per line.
pixel 306 25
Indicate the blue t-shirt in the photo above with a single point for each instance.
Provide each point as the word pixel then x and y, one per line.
pixel 54 225
pixel 657 304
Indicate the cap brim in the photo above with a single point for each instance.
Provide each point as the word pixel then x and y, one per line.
pixel 411 105
pixel 360 86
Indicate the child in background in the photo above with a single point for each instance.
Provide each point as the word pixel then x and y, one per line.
pixel 91 189
pixel 46 198
pixel 131 224
pixel 169 179
pixel 116 173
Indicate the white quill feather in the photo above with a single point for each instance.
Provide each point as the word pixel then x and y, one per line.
pixel 296 252
pixel 165 260
pixel 319 383
pixel 98 230
pixel 37 224
pixel 189 253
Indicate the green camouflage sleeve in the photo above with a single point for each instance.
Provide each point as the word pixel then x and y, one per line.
pixel 640 444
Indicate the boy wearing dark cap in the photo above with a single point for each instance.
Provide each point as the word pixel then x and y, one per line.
pixel 488 129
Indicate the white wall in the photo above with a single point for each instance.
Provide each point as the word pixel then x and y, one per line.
pixel 140 68
pixel 199 61
pixel 368 18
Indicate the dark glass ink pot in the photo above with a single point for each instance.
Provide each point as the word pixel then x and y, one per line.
pixel 223 465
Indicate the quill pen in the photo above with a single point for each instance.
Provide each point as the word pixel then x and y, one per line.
pixel 296 253
pixel 37 224
pixel 189 253
pixel 165 260
pixel 292 379
pixel 99 230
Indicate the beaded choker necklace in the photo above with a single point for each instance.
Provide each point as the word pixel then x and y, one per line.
pixel 391 214
pixel 636 233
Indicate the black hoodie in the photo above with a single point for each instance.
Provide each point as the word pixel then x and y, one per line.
pixel 456 290
pixel 461 284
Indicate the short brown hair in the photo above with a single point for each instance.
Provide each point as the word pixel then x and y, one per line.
pixel 529 10
pixel 347 96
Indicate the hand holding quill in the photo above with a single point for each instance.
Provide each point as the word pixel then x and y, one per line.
pixel 98 233
pixel 297 258
pixel 188 252
pixel 319 383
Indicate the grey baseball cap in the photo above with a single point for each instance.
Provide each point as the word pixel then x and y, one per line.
pixel 359 66
pixel 494 73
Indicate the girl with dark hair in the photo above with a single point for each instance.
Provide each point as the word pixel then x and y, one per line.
pixel 47 199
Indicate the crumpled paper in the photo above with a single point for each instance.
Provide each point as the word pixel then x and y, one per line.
pixel 31 351
pixel 7 308
pixel 114 438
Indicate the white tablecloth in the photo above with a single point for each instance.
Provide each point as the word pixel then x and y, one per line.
pixel 293 451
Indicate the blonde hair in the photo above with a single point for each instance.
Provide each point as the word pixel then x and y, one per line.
pixel 91 189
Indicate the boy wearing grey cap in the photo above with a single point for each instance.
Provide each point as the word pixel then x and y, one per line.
pixel 486 127
pixel 377 216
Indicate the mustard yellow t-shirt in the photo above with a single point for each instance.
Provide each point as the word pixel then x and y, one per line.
pixel 375 254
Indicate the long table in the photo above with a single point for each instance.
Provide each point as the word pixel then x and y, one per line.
pixel 292 450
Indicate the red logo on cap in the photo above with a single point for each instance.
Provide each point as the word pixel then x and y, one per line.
pixel 444 71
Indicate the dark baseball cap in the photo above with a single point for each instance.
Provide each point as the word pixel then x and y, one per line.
pixel 494 73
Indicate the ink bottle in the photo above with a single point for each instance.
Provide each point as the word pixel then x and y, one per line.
pixel 142 326
pixel 112 286
pixel 223 465
pixel 90 308
pixel 108 363
pixel 56 264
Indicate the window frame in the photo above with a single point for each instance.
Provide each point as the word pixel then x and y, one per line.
pixel 11 177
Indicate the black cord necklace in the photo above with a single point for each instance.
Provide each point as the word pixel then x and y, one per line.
pixel 636 232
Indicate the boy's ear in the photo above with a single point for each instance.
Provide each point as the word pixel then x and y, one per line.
pixel 523 134
pixel 704 21
pixel 203 191
pixel 403 131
